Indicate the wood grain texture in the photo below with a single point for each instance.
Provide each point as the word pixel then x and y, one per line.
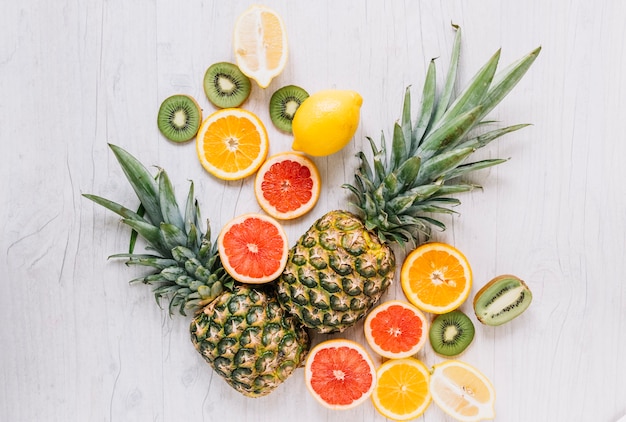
pixel 80 344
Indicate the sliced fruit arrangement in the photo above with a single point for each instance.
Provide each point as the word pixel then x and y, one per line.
pixel 225 85
pixel 253 248
pixel 255 336
pixel 396 329
pixel 326 121
pixel 240 330
pixel 402 390
pixel 260 41
pixel 462 391
pixel 179 118
pixel 340 374
pixel 436 277
pixel 502 299
pixel 287 185
pixel 451 333
pixel 283 106
pixel 232 143
pixel 347 257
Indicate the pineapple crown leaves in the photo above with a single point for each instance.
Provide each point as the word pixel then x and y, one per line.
pixel 186 265
pixel 398 192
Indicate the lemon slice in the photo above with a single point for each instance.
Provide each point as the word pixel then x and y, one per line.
pixel 260 42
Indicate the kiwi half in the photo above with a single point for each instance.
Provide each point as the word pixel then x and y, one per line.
pixel 451 333
pixel 283 105
pixel 502 299
pixel 179 118
pixel 225 85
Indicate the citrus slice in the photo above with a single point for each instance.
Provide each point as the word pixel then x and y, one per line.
pixel 462 391
pixel 436 277
pixel 260 43
pixel 232 143
pixel 396 329
pixel 287 185
pixel 340 374
pixel 402 391
pixel 253 248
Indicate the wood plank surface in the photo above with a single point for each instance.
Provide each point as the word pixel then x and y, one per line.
pixel 80 344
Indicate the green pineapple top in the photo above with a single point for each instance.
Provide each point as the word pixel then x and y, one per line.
pixel 397 194
pixel 186 263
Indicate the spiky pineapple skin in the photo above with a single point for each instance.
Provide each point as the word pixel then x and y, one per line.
pixel 249 339
pixel 335 273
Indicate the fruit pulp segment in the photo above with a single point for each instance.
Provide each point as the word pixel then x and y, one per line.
pixel 396 329
pixel 401 387
pixel 232 143
pixel 436 277
pixel 272 40
pixel 254 248
pixel 340 375
pixel 468 384
pixel 287 185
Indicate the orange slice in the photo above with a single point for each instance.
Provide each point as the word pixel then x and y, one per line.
pixel 287 185
pixel 253 248
pixel 340 374
pixel 232 143
pixel 402 391
pixel 396 329
pixel 462 391
pixel 436 277
pixel 260 43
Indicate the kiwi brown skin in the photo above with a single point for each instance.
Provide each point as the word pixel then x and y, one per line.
pixel 283 105
pixel 456 323
pixel 225 85
pixel 179 118
pixel 490 312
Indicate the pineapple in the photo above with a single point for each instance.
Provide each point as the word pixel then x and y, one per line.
pixel 258 346
pixel 341 266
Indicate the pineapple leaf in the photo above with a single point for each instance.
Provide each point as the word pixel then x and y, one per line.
pixel 141 180
pixel 485 138
pixel 115 207
pixel 407 130
pixel 440 164
pixel 172 236
pixel 446 95
pixel 167 201
pixel 426 110
pixel 148 232
pixel 506 80
pixel 471 167
pixel 448 133
pixel 398 148
pixel 474 93
pixel 133 233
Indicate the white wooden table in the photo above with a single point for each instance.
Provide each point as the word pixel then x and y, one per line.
pixel 80 344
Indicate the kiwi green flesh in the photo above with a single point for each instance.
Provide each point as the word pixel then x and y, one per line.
pixel 451 333
pixel 501 300
pixel 225 85
pixel 179 118
pixel 284 104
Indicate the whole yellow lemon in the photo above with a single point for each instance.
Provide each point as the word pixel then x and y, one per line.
pixel 326 121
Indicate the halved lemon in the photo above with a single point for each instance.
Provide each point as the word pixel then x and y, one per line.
pixel 462 391
pixel 436 277
pixel 260 43
pixel 232 143
pixel 402 391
